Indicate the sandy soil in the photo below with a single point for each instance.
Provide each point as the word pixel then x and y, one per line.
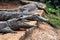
pixel 12 36
pixel 44 32
pixel 9 5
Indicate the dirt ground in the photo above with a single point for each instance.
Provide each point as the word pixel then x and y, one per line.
pixel 43 32
pixel 9 5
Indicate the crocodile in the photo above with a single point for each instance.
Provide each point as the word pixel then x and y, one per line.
pixel 27 15
pixel 12 24
pixel 32 5
pixel 27 8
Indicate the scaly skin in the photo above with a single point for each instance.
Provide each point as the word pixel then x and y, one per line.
pixel 37 5
pixel 27 15
pixel 13 24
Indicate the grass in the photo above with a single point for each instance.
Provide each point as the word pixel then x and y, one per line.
pixel 54 17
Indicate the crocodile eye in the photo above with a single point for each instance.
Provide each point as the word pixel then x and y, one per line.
pixel 20 15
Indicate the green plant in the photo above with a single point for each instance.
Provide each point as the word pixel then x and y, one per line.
pixel 54 17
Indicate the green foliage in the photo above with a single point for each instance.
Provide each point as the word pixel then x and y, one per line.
pixel 54 20
pixel 54 16
pixel 53 7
